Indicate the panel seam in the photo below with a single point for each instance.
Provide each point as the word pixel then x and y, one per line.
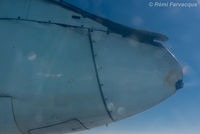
pixel 97 75
pixel 75 119
pixel 51 22
pixel 12 108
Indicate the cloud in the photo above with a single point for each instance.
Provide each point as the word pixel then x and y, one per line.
pixel 198 1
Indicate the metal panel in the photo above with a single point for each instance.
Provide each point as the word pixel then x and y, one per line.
pixel 50 72
pixel 134 76
pixel 44 10
pixel 7 8
pixel 54 69
pixel 7 122
pixel 60 128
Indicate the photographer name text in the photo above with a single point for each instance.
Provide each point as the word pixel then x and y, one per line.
pixel 174 4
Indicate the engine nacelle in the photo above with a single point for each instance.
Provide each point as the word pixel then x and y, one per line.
pixel 65 70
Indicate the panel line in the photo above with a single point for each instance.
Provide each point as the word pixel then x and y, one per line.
pixel 12 108
pixel 97 75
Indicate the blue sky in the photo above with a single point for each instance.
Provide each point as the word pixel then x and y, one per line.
pixel 181 112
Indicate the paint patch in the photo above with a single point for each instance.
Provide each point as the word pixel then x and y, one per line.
pixel 121 111
pixel 32 56
pixel 110 106
pixel 172 78
pixel 59 75
pixel 48 75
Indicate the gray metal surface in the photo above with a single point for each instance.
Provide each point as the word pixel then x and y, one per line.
pixel 67 70
pixel 7 119
pixel 63 127
pixel 135 76
pixel 49 71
